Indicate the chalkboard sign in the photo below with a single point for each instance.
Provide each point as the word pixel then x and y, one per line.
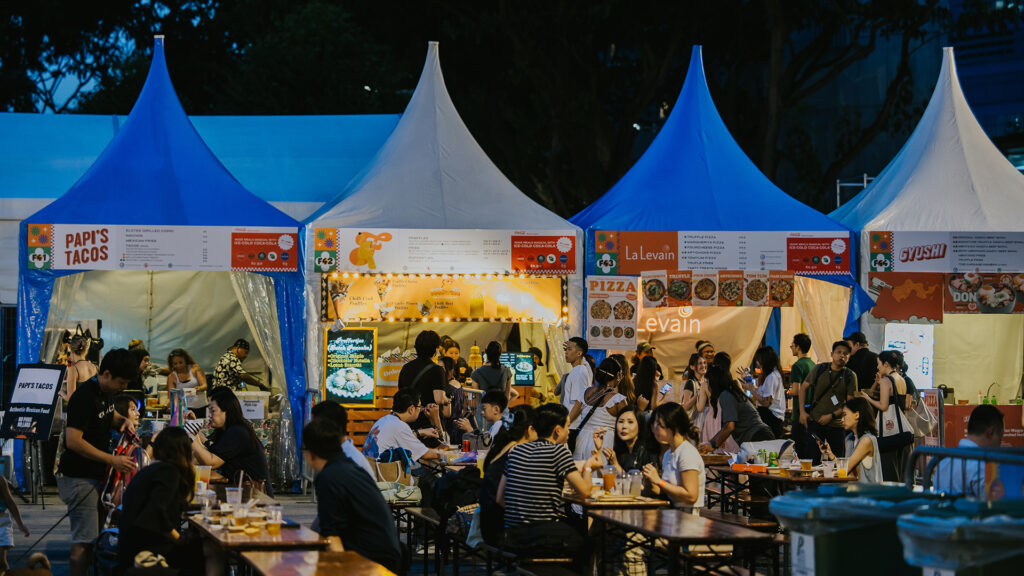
pixel 350 367
pixel 33 401
pixel 521 364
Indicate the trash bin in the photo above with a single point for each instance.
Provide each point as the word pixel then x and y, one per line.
pixel 965 538
pixel 848 529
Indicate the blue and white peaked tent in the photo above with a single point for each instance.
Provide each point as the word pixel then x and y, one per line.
pixel 694 176
pixel 157 172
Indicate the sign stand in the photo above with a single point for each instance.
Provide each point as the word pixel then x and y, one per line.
pixel 29 415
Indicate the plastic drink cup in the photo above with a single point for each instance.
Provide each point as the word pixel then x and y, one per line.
pixel 274 528
pixel 233 496
pixel 203 474
pixel 828 468
pixel 608 476
pixel 240 516
pixel 806 464
pixel 841 467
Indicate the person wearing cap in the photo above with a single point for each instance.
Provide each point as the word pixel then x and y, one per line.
pixel 229 371
pixel 643 350
pixel 863 362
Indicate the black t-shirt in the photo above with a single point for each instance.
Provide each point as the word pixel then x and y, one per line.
pixel 150 510
pixel 636 459
pixel 432 379
pixel 864 364
pixel 92 412
pixel 350 506
pixel 239 451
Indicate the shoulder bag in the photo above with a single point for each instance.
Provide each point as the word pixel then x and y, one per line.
pixel 574 434
pixel 894 429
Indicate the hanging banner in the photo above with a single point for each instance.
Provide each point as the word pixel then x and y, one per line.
pixel 33 400
pixel 915 297
pixel 350 366
pixel 377 298
pixel 974 293
pixel 443 251
pixel 635 252
pixel 754 288
pixel 946 251
pixel 119 247
pixel 612 313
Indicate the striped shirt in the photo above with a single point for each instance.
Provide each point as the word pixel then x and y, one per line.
pixel 534 476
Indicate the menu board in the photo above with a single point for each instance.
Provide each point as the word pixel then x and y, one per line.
pixel 350 366
pixel 33 400
pixel 612 312
pixel 119 247
pixel 636 252
pixel 717 288
pixel 981 293
pixel 521 364
pixel 983 252
pixel 378 298
pixel 440 251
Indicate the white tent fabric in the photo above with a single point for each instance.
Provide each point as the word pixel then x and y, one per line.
pixel 432 174
pixel 949 177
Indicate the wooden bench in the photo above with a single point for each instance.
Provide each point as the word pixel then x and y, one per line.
pixel 759 524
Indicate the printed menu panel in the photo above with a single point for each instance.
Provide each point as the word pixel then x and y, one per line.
pixel 612 311
pixel 350 367
pixel 678 288
pixel 942 252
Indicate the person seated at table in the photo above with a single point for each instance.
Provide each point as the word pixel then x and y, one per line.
pixel 393 431
pixel 531 490
pixel 457 417
pixel 629 447
pixel 682 469
pixel 959 477
pixel 348 503
pixel 738 416
pixel 336 413
pixel 514 431
pixel 864 459
pixel 154 504
pixel 233 448
pixel 493 407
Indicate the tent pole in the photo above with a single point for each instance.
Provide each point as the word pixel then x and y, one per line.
pixel 149 315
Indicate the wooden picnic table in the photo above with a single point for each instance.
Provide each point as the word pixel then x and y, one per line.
pixel 670 530
pixel 613 502
pixel 733 485
pixel 313 563
pixel 290 538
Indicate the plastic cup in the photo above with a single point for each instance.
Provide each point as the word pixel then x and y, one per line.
pixel 274 528
pixel 240 516
pixel 233 496
pixel 608 477
pixel 828 468
pixel 806 464
pixel 841 467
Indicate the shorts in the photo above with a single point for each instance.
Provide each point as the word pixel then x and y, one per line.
pixel 82 497
pixel 6 531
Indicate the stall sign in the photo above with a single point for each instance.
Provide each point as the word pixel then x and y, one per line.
pixel 378 298
pixel 33 400
pixel 124 247
pixel 612 311
pixel 907 296
pixel 898 251
pixel 983 293
pixel 350 366
pixel 521 364
pixel 444 251
pixel 917 343
pixel 752 288
pixel 636 252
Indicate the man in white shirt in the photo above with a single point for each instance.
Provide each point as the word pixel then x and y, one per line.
pixel 958 476
pixel 579 378
pixel 393 431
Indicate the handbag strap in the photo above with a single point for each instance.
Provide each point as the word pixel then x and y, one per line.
pixel 593 409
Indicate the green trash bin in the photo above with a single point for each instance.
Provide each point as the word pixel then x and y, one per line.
pixel 965 538
pixel 847 530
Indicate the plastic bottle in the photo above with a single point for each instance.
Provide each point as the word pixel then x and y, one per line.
pixel 981 397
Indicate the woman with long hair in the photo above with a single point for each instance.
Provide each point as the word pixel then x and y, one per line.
pixel 516 429
pixel 456 416
pixel 627 387
pixel 719 379
pixel 629 446
pixel 233 447
pixel 600 407
pixel 892 391
pixel 682 468
pixel 696 389
pixel 863 457
pixel 186 374
pixel 493 375
pixel 768 390
pixel 646 382
pixel 79 369
pixel 154 505
pixel 736 413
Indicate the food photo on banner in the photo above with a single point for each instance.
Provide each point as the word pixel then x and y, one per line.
pixel 33 400
pixel 350 366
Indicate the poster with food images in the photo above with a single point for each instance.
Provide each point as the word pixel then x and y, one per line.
pixel 780 288
pixel 654 288
pixel 730 287
pixel 350 366
pixel 612 311
pixel 680 288
pixel 755 289
pixel 705 288
pixel 980 293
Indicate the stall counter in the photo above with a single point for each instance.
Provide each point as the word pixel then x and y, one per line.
pixel 958 414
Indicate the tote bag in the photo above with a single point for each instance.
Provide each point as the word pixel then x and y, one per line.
pixel 894 429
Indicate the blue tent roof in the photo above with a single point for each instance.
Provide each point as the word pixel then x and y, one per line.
pixel 695 176
pixel 157 170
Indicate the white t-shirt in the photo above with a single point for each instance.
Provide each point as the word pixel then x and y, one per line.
pixel 675 462
pixel 772 386
pixel 391 432
pixel 349 449
pixel 576 383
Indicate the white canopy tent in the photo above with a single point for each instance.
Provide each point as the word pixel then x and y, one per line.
pixel 432 174
pixel 950 177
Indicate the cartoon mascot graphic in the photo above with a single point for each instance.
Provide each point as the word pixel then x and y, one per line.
pixel 366 245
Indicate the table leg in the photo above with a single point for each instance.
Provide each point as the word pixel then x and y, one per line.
pixel 673 559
